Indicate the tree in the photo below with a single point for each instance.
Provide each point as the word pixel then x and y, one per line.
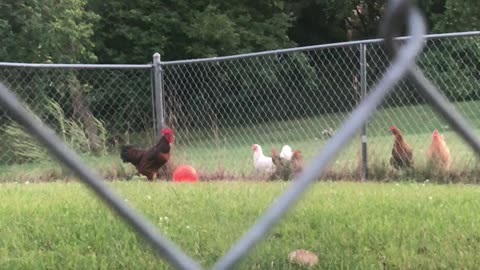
pixel 317 22
pixel 459 15
pixel 46 31
pixel 131 31
pixel 326 21
pixel 458 64
pixel 213 31
pixel 49 31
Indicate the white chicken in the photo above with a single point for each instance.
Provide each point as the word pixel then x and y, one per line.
pixel 286 152
pixel 329 132
pixel 262 163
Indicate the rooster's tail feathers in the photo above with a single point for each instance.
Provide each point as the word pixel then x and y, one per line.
pixel 128 153
pixel 124 153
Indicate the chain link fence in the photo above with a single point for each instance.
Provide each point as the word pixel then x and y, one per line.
pixel 451 63
pixel 95 109
pixel 220 107
pixel 300 97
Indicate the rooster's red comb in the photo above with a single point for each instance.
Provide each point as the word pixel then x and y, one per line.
pixel 167 131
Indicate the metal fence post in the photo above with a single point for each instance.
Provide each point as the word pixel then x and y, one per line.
pixel 158 93
pixel 363 89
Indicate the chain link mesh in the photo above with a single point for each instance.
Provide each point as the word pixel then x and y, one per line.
pixel 222 107
pixel 94 111
pixel 453 65
pixel 219 107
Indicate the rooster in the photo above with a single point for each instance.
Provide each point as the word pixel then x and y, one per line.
pixel 402 152
pixel 438 152
pixel 148 161
pixel 262 163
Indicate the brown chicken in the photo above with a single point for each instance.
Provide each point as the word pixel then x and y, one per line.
pixel 276 158
pixel 148 161
pixel 438 152
pixel 284 168
pixel 297 160
pixel 402 152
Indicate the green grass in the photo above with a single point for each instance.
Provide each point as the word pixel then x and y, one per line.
pixel 227 151
pixel 349 225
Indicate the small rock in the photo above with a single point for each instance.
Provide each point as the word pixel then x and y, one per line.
pixel 303 257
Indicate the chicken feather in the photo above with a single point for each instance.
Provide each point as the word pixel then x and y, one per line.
pixel 438 153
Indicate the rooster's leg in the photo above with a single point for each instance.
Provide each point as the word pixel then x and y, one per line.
pixel 152 176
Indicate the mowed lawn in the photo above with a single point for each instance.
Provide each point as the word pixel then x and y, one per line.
pixel 349 225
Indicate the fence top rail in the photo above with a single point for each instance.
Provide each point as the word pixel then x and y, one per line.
pixel 313 47
pixel 76 66
pixel 230 57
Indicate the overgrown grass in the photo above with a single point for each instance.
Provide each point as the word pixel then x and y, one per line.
pixel 109 166
pixel 349 225
pixel 227 151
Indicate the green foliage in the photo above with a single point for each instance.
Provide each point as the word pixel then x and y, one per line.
pixel 27 148
pixel 46 31
pixel 315 22
pixel 131 31
pixel 211 27
pixel 454 66
pixel 265 84
pixel 102 134
pixel 459 15
pixel 125 31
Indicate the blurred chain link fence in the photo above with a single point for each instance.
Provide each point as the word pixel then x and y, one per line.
pixel 220 106
pixel 93 108
pixel 453 64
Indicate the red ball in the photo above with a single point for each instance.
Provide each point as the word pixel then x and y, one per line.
pixel 185 173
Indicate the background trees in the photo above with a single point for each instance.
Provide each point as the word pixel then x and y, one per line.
pixel 130 31
pixel 47 31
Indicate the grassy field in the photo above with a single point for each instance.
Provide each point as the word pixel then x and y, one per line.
pixel 348 225
pixel 227 151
